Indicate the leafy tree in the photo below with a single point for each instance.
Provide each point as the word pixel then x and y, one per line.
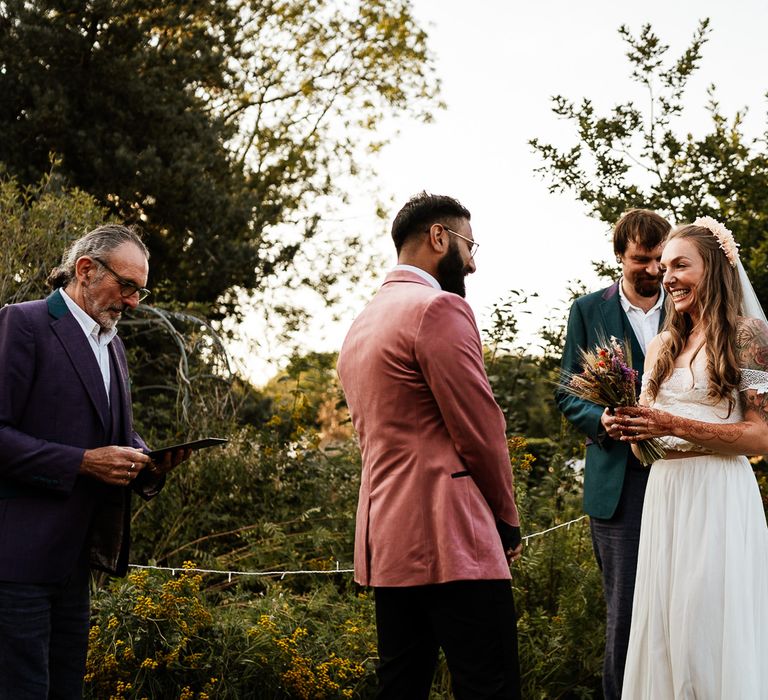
pixel 209 123
pixel 519 385
pixel 306 394
pixel 181 375
pixel 36 224
pixel 636 157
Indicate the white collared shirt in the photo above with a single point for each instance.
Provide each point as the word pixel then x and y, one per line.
pixel 645 325
pixel 98 340
pixel 421 273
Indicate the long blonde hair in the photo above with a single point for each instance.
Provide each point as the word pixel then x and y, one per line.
pixel 718 298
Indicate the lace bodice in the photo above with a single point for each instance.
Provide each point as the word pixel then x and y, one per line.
pixel 684 393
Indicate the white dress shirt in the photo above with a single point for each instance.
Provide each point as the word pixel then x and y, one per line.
pixel 421 273
pixel 645 325
pixel 98 339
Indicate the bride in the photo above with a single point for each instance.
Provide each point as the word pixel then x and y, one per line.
pixel 700 611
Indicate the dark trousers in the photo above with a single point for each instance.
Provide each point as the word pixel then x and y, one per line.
pixel 44 638
pixel 473 622
pixel 615 542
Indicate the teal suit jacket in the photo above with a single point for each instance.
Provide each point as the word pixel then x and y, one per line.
pixel 594 318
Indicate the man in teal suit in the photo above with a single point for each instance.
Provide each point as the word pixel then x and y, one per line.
pixel 614 481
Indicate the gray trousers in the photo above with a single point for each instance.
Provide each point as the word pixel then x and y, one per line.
pixel 615 542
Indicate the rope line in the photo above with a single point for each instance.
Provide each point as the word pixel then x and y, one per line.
pixel 283 574
pixel 230 574
pixel 556 527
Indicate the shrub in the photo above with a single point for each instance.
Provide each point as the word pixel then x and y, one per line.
pixel 156 636
pixel 147 639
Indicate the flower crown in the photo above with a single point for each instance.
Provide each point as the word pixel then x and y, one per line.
pixel 723 235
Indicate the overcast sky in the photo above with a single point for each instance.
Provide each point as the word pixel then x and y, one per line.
pixel 500 62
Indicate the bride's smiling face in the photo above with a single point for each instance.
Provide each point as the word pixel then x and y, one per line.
pixel 683 269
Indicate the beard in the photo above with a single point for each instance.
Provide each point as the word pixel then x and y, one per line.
pixel 451 271
pixel 106 316
pixel 646 285
pixel 105 320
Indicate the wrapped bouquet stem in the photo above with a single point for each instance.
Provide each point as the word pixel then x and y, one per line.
pixel 608 379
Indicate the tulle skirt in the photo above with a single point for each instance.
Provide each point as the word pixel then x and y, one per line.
pixel 700 610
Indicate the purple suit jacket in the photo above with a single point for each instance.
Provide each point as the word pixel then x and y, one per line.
pixel 53 406
pixel 436 473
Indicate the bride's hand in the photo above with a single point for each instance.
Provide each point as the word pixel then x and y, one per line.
pixel 643 423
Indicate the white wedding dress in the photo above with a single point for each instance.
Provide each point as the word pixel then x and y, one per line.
pixel 700 611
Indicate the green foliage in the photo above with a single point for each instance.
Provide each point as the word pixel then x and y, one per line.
pixel 307 394
pixel 558 589
pixel 260 503
pixel 181 377
pixel 116 90
pixel 158 636
pixel 282 497
pixel 220 127
pixel 519 385
pixel 635 157
pixel 313 636
pixel 321 648
pixel 146 640
pixel 37 222
pixel 180 371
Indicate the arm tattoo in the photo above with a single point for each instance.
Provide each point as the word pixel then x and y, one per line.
pixel 752 353
pixel 752 344
pixel 757 402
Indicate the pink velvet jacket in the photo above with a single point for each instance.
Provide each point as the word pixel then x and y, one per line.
pixel 436 472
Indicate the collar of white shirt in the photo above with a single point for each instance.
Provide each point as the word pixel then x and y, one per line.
pixel 421 273
pixel 90 327
pixel 627 305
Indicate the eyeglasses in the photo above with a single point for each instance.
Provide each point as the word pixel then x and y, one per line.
pixel 472 245
pixel 127 289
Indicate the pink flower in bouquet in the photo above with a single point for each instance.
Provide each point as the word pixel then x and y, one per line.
pixel 608 379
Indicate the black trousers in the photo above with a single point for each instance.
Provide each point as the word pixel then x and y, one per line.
pixel 474 622
pixel 44 638
pixel 616 542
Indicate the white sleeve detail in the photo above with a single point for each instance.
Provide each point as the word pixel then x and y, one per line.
pixel 755 379
pixel 643 397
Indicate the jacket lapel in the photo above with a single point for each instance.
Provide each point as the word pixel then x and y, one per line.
pixel 72 338
pixel 616 323
pixel 120 378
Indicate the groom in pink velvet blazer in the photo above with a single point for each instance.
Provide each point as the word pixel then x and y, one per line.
pixel 437 523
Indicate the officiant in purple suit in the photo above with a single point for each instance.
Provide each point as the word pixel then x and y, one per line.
pixel 69 459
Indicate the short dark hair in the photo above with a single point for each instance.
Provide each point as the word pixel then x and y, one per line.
pixel 423 210
pixel 641 226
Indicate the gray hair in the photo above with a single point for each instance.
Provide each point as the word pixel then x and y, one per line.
pixel 97 243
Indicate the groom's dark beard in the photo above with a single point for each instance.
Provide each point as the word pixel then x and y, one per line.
pixel 647 285
pixel 451 271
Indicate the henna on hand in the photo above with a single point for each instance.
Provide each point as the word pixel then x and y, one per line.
pixel 641 423
pixel 700 432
